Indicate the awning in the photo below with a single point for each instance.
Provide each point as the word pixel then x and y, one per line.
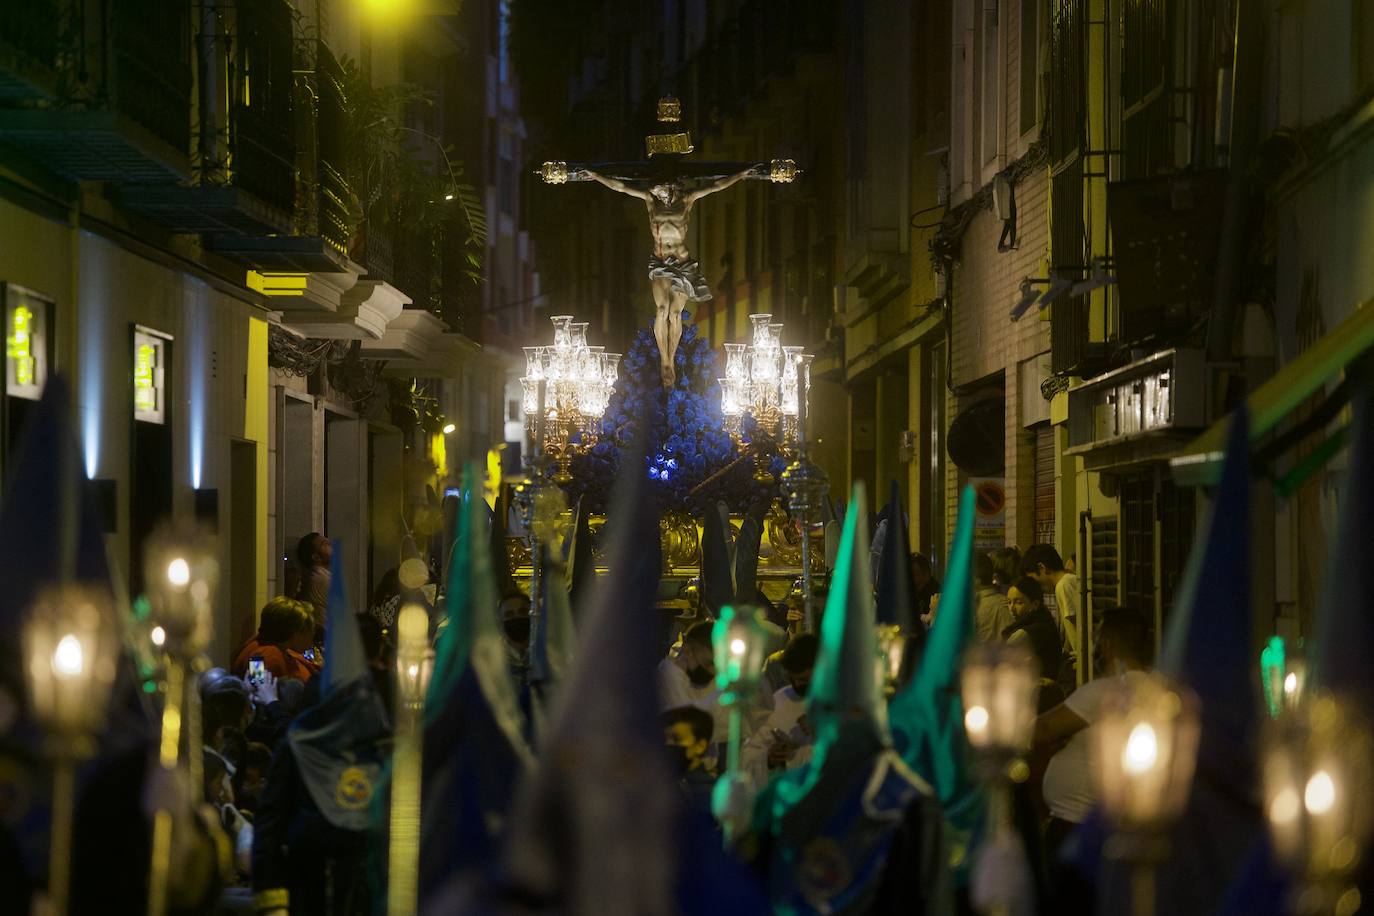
pixel 1199 464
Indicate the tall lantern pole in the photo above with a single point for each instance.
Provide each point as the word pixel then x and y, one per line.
pixel 805 485
pixel 70 648
pixel 181 568
pixel 414 663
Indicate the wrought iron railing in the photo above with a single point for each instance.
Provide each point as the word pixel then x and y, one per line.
pixel 335 220
pixel 264 136
pixel 31 28
pixel 150 52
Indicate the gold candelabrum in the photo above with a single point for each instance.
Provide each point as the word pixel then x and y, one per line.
pixel 566 388
pixel 770 382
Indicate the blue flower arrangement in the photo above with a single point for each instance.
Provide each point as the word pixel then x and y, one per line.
pixel 687 442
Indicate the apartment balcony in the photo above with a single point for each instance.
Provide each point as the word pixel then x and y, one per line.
pixel 28 51
pixel 114 103
pixel 247 180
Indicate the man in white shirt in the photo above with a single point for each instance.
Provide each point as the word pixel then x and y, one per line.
pixel 1043 564
pixel 991 613
pixel 689 678
pixel 1126 644
pixel 785 738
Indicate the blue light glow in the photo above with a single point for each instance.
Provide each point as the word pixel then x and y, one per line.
pixel 92 338
pixel 197 369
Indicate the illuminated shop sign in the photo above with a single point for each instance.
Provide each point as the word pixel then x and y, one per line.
pixel 150 397
pixel 26 343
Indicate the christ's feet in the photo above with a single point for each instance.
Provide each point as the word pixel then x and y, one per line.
pixel 668 375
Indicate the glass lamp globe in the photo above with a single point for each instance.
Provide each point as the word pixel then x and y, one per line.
pixel 414 657
pixel 1145 749
pixel 181 573
pixel 740 639
pixel 71 646
pixel 999 685
pixel 1318 793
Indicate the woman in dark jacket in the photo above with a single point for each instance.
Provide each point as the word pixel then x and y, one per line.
pixel 1035 627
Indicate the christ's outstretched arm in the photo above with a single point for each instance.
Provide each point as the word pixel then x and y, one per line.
pixel 723 183
pixel 615 184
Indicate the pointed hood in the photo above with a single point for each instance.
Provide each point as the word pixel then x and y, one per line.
pixel 927 714
pixel 551 643
pixel 844 689
pixel 344 658
pixel 50 530
pixel 595 826
pixel 747 555
pixel 500 557
pixel 471 601
pixel 1208 646
pixel 1344 637
pixel 577 551
pixel 896 590
pixel 1208 641
pixel 717 573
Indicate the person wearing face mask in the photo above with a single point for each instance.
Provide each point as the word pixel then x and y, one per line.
pixel 689 678
pixel 683 677
pixel 687 731
pixel 1126 645
pixel 784 741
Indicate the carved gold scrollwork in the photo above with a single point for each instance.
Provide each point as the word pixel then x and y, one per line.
pixel 679 540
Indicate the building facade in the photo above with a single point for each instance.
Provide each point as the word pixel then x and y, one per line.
pixel 202 230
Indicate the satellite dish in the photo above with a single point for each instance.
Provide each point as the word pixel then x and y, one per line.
pixel 977 438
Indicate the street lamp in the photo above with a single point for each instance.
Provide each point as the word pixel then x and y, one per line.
pixel 70 649
pixel 1283 670
pixel 1145 749
pixel 1319 800
pixel 577 380
pixel 767 381
pixel 998 686
pixel 740 639
pixel 892 651
pixel 181 569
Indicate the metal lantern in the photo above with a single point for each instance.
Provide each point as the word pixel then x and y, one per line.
pixel 578 380
pixel 1145 748
pixel 1283 669
pixel 181 572
pixel 414 657
pixel 891 653
pixel 1318 796
pixel 999 685
pixel 740 638
pixel 71 644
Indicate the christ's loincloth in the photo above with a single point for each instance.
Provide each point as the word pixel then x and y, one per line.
pixel 684 275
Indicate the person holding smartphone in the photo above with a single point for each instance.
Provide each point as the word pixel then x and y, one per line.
pixel 784 741
pixel 286 633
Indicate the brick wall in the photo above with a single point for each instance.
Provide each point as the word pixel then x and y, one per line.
pixel 986 343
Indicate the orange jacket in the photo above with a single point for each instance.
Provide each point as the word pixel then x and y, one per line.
pixel 279 661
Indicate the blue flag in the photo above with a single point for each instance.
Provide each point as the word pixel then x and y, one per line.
pixel 344 657
pixel 474 749
pixel 896 590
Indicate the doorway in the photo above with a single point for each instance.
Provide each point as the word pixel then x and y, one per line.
pixel 243 540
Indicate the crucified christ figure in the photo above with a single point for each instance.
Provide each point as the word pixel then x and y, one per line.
pixel 676 278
